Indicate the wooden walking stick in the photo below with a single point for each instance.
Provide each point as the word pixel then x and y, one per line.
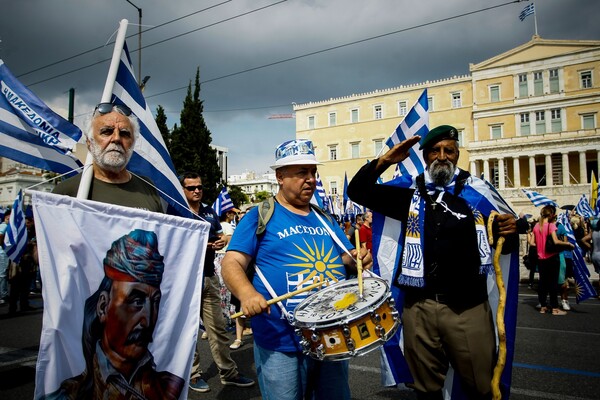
pixel 496 394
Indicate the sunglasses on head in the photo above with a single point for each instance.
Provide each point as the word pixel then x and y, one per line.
pixel 193 188
pixel 105 108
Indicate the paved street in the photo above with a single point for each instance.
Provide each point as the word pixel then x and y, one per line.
pixel 556 358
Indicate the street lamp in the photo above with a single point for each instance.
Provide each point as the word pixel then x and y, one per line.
pixel 139 41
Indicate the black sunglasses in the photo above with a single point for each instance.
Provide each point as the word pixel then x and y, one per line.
pixel 193 188
pixel 105 108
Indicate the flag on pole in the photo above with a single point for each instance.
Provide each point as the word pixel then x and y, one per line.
pixel 345 194
pixel 584 208
pixel 15 237
pixel 30 132
pixel 416 122
pixel 223 202
pixel 538 199
pixel 150 157
pixel 527 11
pixel 319 197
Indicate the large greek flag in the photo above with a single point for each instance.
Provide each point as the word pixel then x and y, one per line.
pixel 15 237
pixel 150 157
pixel 538 199
pixel 72 268
pixel 30 132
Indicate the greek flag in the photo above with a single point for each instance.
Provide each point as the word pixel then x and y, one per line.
pixel 320 197
pixel 150 157
pixel 416 122
pixel 527 11
pixel 583 208
pixel 537 199
pixel 15 237
pixel 30 132
pixel 223 202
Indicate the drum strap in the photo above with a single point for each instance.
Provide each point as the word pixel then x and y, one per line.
pixel 334 236
pixel 271 291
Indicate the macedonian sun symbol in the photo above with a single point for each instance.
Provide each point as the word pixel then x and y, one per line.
pixel 318 262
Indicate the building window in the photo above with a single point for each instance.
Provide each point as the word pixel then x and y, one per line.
pixel 522 85
pixel 586 79
pixel 494 93
pixel 456 100
pixel 378 111
pixel 378 146
pixel 333 187
pixel 430 104
pixel 354 115
pixel 525 128
pixel 355 150
pixel 554 84
pixel 555 120
pixel 461 138
pixel 311 122
pixel 540 122
pixel 402 108
pixel 588 121
pixel 495 131
pixel 332 119
pixel 333 152
pixel 538 83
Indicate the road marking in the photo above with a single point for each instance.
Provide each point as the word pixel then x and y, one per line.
pixel 10 357
pixel 545 395
pixel 559 370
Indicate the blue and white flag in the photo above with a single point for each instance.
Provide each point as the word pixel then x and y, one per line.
pixel 583 208
pixel 319 197
pixel 539 200
pixel 223 202
pixel 527 11
pixel 150 157
pixel 30 132
pixel 72 267
pixel 15 237
pixel 416 122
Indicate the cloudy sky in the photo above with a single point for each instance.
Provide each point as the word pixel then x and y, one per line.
pixel 257 57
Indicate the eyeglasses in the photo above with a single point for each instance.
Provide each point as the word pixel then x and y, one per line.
pixel 105 108
pixel 193 188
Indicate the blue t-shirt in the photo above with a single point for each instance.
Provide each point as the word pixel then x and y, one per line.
pixel 293 250
pixel 561 230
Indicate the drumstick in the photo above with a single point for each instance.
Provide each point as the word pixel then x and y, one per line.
pixel 359 268
pixel 285 296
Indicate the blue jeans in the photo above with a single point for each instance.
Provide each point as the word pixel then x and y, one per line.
pixel 294 376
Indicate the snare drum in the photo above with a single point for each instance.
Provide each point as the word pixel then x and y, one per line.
pixel 336 324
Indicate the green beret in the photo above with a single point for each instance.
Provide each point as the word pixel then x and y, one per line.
pixel 438 134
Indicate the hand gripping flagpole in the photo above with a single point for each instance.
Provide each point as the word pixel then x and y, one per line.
pixel 496 394
pixel 88 171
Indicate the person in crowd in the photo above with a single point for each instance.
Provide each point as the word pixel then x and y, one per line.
pixel 366 232
pixel 565 269
pixel 548 262
pixel 4 260
pixel 592 242
pixel 283 263
pixel 119 322
pixel 531 254
pixel 111 133
pixel 20 282
pixel 444 265
pixel 210 313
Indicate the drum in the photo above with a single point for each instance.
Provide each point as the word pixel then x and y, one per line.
pixel 336 324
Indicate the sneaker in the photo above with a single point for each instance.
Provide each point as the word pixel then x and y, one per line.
pixel 236 344
pixel 238 380
pixel 565 305
pixel 204 335
pixel 199 385
pixel 538 306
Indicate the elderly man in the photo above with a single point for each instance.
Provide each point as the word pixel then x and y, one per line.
pixel 111 134
pixel 119 321
pixel 211 314
pixel 444 265
pixel 297 246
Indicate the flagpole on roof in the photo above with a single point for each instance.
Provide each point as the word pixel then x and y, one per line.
pixel 535 19
pixel 88 172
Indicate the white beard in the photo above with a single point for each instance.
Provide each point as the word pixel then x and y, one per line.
pixel 113 158
pixel 441 172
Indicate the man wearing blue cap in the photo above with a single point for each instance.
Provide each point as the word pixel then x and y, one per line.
pixel 119 321
pixel 298 247
pixel 444 264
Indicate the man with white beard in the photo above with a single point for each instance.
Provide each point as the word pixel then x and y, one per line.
pixel 444 265
pixel 111 133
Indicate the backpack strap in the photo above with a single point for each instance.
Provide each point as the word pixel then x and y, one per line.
pixel 265 212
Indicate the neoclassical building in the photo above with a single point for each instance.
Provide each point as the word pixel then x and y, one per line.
pixel 527 118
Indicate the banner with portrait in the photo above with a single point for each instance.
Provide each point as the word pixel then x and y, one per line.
pixel 121 289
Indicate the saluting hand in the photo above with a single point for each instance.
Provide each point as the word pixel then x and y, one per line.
pixel 397 153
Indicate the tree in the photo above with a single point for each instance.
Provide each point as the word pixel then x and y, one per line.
pixel 161 122
pixel 190 144
pixel 262 195
pixel 237 196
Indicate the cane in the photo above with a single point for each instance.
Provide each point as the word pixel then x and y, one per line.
pixel 496 394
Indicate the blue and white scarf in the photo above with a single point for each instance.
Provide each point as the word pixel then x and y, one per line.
pixel 412 272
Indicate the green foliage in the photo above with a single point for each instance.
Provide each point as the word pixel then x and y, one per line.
pixel 262 195
pixel 237 196
pixel 161 122
pixel 190 144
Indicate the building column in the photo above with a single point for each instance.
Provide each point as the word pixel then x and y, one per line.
pixel 516 172
pixel 565 169
pixel 486 170
pixel 582 168
pixel 549 170
pixel 532 174
pixel 501 180
pixel 473 168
